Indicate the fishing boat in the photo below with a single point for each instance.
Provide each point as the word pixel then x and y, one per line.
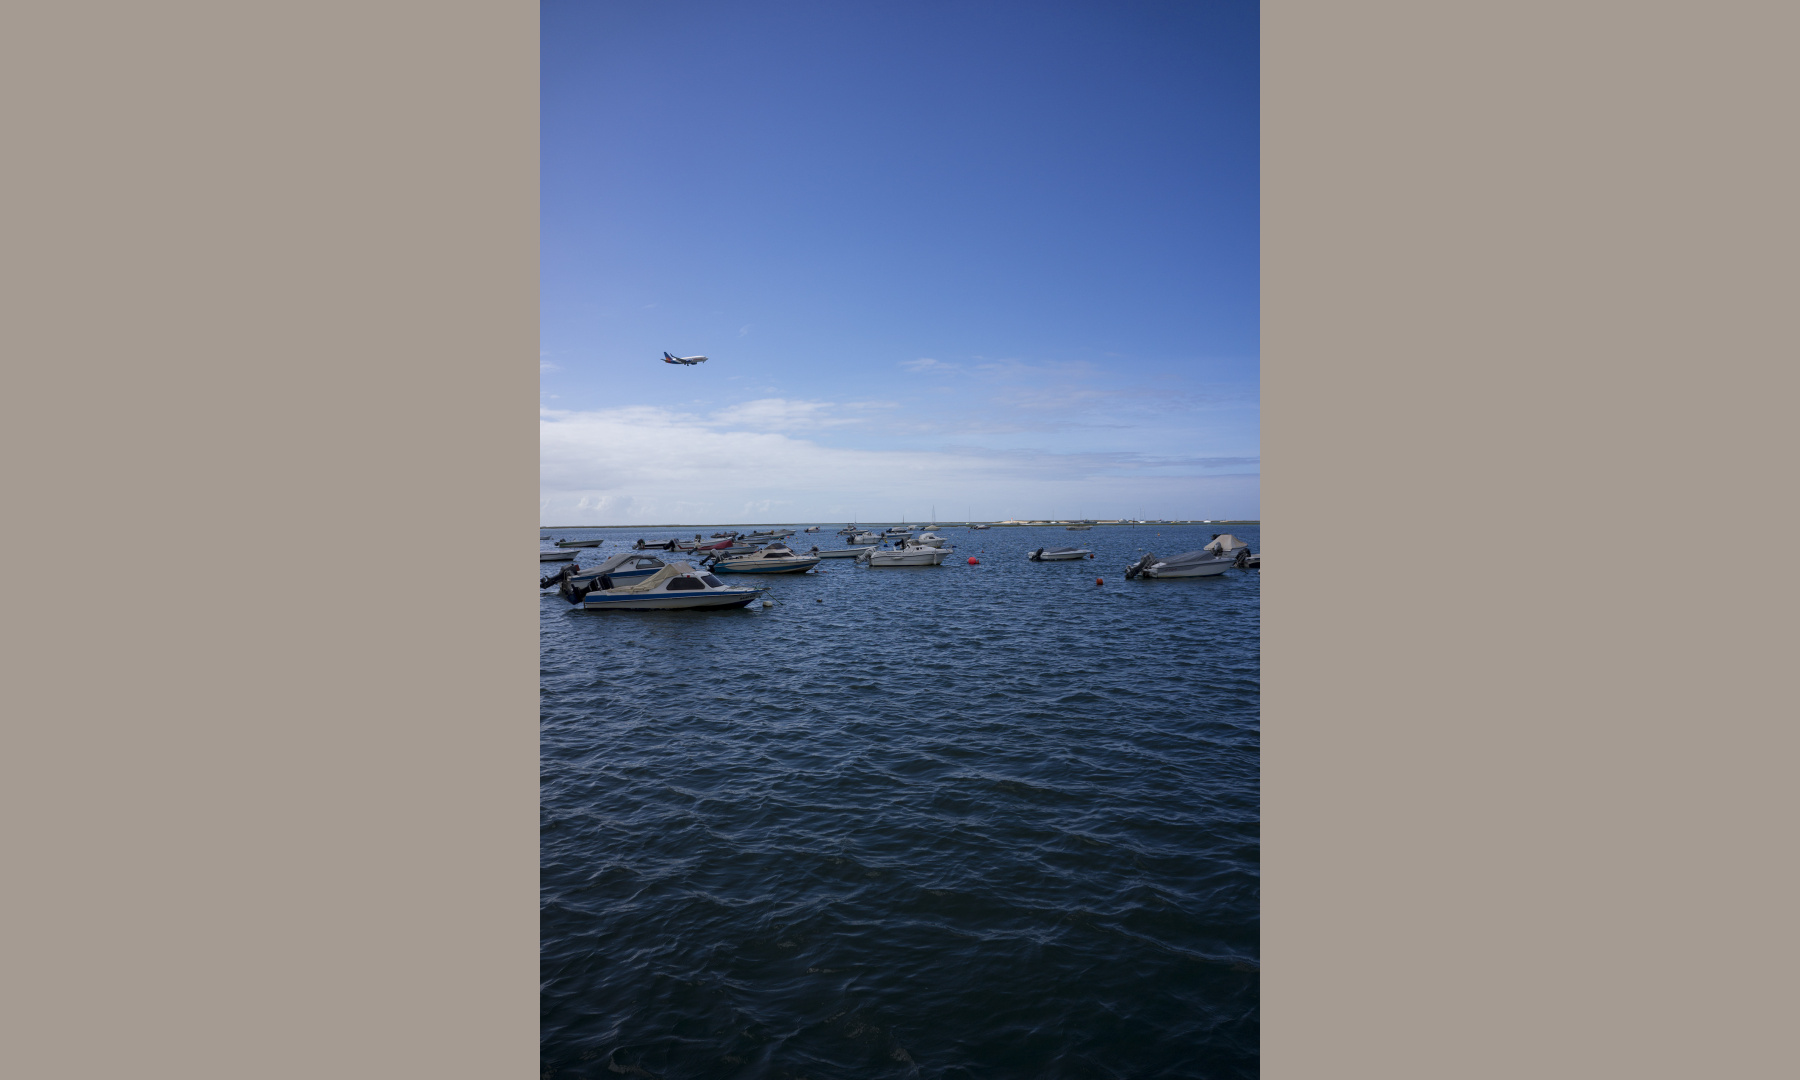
pixel 1186 565
pixel 906 555
pixel 981 526
pixel 1058 554
pixel 774 559
pixel 579 543
pixel 929 539
pixel 556 556
pixel 866 538
pixel 675 586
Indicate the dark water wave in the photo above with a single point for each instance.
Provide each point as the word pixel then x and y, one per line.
pixel 989 821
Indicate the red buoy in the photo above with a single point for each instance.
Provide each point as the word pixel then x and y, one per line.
pixel 1099 581
pixel 973 561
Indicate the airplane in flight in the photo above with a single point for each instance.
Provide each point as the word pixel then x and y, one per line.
pixel 690 361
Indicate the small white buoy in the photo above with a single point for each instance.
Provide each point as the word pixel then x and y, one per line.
pixel 768 603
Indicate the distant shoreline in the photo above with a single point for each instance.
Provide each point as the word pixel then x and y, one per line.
pixel 916 525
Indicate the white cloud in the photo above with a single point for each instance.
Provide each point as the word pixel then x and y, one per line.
pixel 926 363
pixel 644 465
pixel 777 414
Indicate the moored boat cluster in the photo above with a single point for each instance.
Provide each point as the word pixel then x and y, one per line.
pixel 634 580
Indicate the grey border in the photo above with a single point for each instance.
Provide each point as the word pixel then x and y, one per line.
pixel 1527 419
pixel 275 763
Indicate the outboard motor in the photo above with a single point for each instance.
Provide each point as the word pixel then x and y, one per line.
pixel 1036 556
pixel 1243 557
pixel 564 574
pixel 1140 566
pixel 574 595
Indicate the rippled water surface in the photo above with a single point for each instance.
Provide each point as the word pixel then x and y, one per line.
pixel 966 821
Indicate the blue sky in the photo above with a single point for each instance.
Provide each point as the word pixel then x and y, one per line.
pixel 997 258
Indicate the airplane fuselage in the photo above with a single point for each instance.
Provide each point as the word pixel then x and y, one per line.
pixel 690 361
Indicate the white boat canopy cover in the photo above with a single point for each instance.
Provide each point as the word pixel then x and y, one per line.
pixel 1224 544
pixel 654 582
pixel 773 551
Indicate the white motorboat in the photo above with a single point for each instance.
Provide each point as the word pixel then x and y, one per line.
pixel 981 526
pixel 810 528
pixel 1058 554
pixel 929 539
pixel 675 586
pixel 774 559
pixel 579 543
pixel 1079 528
pixel 556 556
pixel 840 553
pixel 907 555
pixel 866 538
pixel 1186 565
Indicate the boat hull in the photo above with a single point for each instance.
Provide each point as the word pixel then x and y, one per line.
pixel 579 543
pixel 934 557
pixel 556 556
pixel 768 566
pixel 844 553
pixel 1059 556
pixel 668 601
pixel 1198 571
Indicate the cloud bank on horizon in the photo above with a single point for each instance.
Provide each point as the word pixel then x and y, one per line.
pixel 1025 286
pixel 811 460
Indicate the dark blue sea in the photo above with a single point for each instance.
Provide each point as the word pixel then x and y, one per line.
pixel 989 821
